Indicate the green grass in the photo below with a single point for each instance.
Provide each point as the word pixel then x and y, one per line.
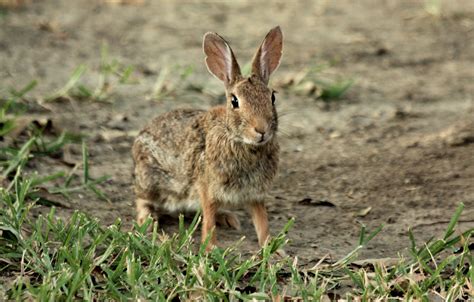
pixel 433 7
pixel 169 80
pixel 78 258
pixel 34 143
pixel 11 108
pixel 111 72
pixel 86 182
pixel 315 82
pixel 70 84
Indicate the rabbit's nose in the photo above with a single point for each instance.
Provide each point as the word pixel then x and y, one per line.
pixel 260 131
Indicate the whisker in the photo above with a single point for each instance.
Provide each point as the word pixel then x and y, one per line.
pixel 289 112
pixel 284 133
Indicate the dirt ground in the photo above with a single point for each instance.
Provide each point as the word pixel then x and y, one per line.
pixel 401 141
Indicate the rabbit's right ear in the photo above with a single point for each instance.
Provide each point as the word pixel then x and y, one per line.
pixel 268 55
pixel 220 59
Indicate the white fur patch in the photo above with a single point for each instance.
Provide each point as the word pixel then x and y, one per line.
pixel 263 64
pixel 228 61
pixel 238 197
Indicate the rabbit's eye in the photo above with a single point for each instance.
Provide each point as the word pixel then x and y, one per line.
pixel 273 98
pixel 234 101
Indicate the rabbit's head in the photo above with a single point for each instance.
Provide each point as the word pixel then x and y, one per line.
pixel 250 110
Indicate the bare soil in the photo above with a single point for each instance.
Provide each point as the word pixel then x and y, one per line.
pixel 397 149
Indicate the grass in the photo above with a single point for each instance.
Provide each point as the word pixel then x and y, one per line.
pixel 11 108
pixel 86 183
pixel 71 83
pixel 79 259
pixel 315 82
pixel 169 80
pixel 110 71
pixel 36 143
pixel 433 7
pixel 3 13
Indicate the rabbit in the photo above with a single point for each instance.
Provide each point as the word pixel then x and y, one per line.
pixel 227 156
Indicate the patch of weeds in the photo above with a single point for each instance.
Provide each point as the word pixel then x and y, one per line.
pixel 14 212
pixel 11 158
pixel 18 94
pixel 110 71
pixel 169 80
pixel 433 7
pixel 53 147
pixel 11 108
pixel 86 182
pixel 71 84
pixel 335 90
pixel 317 83
pixel 37 144
pixel 14 159
pixel 38 141
pixel 3 13
pixel 442 268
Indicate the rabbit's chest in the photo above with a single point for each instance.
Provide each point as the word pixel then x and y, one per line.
pixel 241 180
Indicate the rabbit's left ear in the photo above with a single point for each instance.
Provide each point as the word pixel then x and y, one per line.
pixel 268 56
pixel 220 59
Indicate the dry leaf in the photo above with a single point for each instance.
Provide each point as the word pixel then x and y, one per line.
pixel 50 26
pixel 116 135
pixel 363 212
pixel 308 88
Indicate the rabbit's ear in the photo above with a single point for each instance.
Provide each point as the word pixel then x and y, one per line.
pixel 220 59
pixel 268 56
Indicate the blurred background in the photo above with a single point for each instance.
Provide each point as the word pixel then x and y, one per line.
pixel 375 98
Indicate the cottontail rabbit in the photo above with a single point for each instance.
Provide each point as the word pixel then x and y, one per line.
pixel 186 159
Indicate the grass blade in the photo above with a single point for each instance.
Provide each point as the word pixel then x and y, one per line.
pixel 72 82
pixel 454 220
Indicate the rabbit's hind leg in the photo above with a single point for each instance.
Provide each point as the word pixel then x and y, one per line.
pixel 147 191
pixel 227 218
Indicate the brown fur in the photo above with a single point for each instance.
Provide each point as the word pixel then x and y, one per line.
pixel 186 159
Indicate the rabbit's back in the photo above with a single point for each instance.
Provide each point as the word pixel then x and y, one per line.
pixel 167 156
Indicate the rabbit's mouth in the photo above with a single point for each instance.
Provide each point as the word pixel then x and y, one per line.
pixel 258 141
